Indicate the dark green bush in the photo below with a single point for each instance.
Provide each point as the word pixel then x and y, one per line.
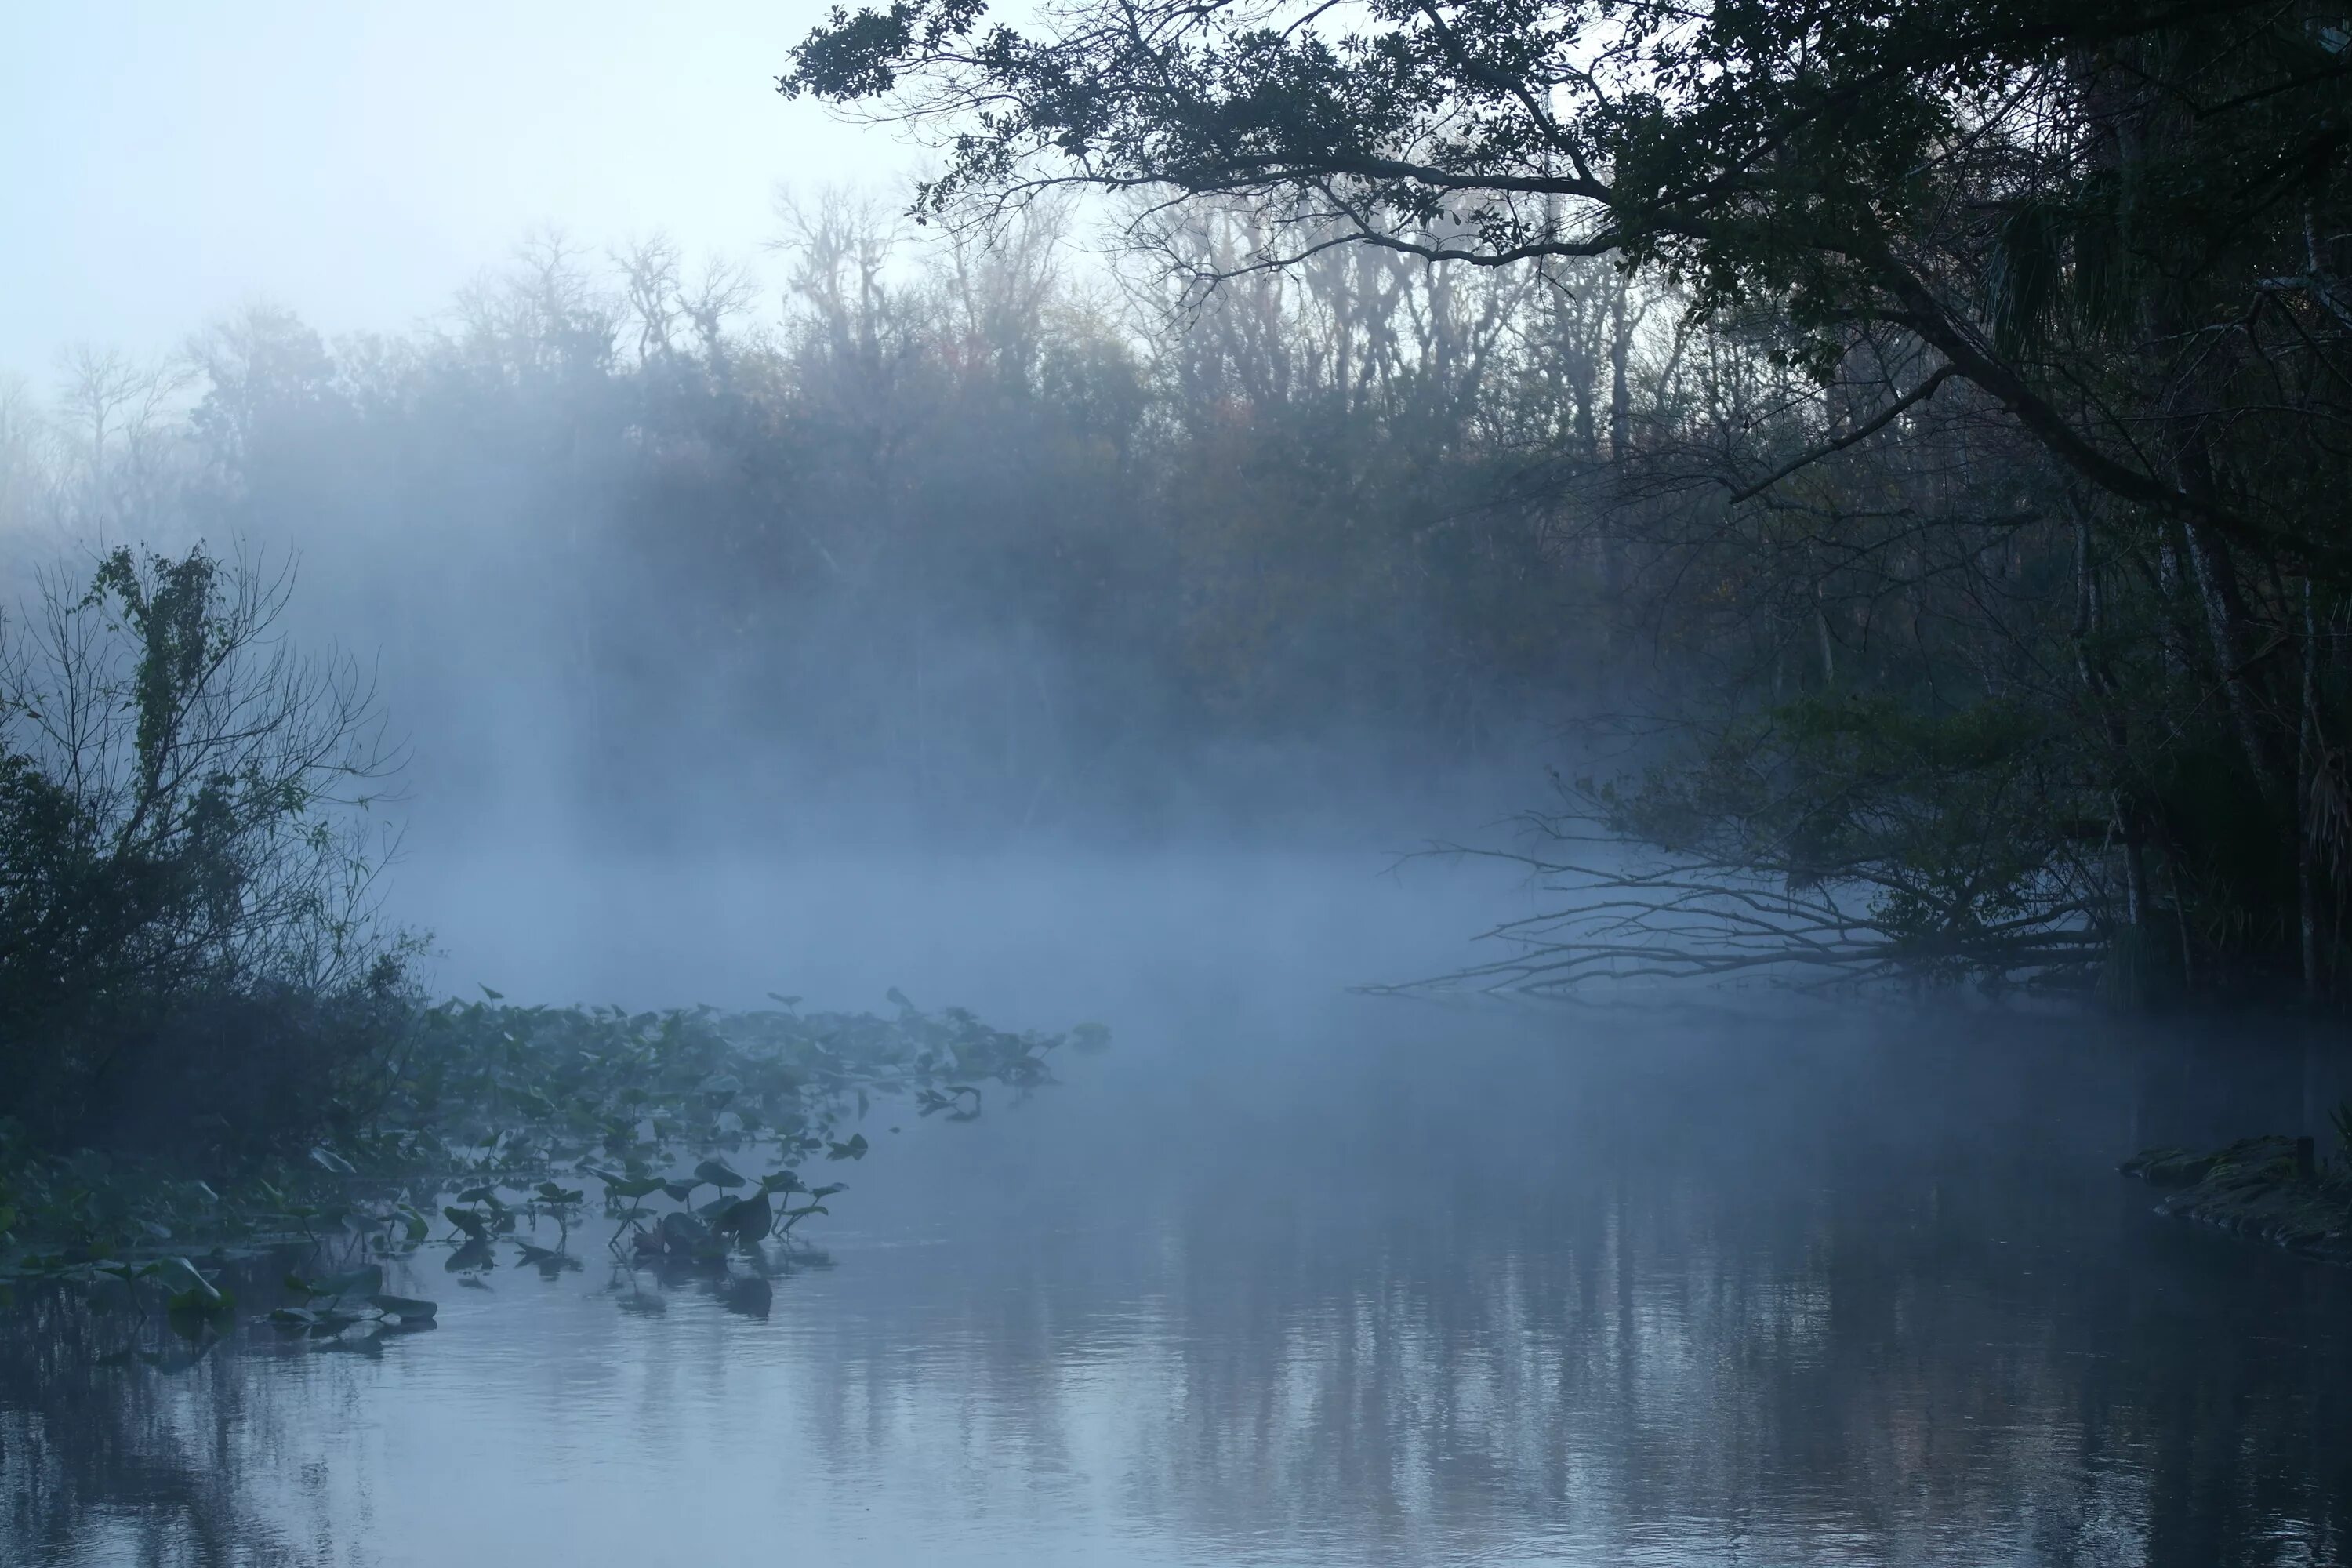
pixel 188 960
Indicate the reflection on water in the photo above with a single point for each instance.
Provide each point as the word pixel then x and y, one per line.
pixel 1353 1283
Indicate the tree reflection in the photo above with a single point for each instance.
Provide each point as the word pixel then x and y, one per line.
pixel 1737 1299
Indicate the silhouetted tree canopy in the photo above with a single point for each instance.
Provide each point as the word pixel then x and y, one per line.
pixel 2029 342
pixel 1972 173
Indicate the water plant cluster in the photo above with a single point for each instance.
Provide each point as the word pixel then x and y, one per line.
pixel 2271 1188
pixel 492 1123
pixel 216 1064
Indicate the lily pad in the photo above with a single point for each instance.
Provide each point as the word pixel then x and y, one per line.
pixel 717 1174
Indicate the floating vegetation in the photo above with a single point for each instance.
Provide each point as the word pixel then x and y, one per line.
pixel 2271 1188
pixel 351 1298
pixel 500 1131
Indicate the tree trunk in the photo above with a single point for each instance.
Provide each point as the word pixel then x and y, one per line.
pixel 2100 689
pixel 2226 622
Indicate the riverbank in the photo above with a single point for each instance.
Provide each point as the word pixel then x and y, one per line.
pixel 2270 1188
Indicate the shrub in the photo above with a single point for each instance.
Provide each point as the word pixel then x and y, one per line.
pixel 188 939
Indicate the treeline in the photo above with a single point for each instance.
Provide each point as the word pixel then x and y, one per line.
pixel 1992 477
pixel 993 531
pixel 1930 533
pixel 969 539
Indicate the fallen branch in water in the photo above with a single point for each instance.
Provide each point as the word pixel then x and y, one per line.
pixel 1681 919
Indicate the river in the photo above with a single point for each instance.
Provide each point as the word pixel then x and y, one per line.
pixel 1298 1275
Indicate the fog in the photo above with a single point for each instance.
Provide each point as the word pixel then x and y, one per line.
pixel 289 255
pixel 865 604
pixel 1638 888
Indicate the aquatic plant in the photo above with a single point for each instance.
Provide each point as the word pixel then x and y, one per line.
pixel 339 1301
pixel 496 1117
pixel 2270 1187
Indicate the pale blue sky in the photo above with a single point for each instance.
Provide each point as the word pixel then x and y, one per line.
pixel 359 161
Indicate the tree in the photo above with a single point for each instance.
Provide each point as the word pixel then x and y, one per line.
pixel 2121 230
pixel 183 829
pixel 1861 162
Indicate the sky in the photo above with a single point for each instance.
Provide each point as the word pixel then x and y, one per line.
pixel 360 162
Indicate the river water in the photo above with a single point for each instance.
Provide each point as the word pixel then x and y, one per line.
pixel 1294 1276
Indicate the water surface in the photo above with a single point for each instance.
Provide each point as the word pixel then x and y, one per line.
pixel 1296 1276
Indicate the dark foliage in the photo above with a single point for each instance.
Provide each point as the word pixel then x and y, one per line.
pixel 187 963
pixel 2028 337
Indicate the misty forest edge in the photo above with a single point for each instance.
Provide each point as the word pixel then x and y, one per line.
pixel 1920 431
pixel 198 985
pixel 1986 439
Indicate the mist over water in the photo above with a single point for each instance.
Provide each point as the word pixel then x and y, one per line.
pixel 1292 1274
pixel 901 622
pixel 1295 1276
pixel 1037 935
pixel 1298 1275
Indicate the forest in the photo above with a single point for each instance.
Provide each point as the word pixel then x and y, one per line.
pixel 1865 490
pixel 1975 443
pixel 1569 711
pixel 993 531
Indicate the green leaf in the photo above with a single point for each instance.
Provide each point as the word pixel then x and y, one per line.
pixel 472 1223
pixel 717 1174
pixel 749 1218
pixel 179 1276
pixel 472 1255
pixel 407 1309
pixel 853 1149
pixel 682 1232
pixel 364 1281
pixel 200 1304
